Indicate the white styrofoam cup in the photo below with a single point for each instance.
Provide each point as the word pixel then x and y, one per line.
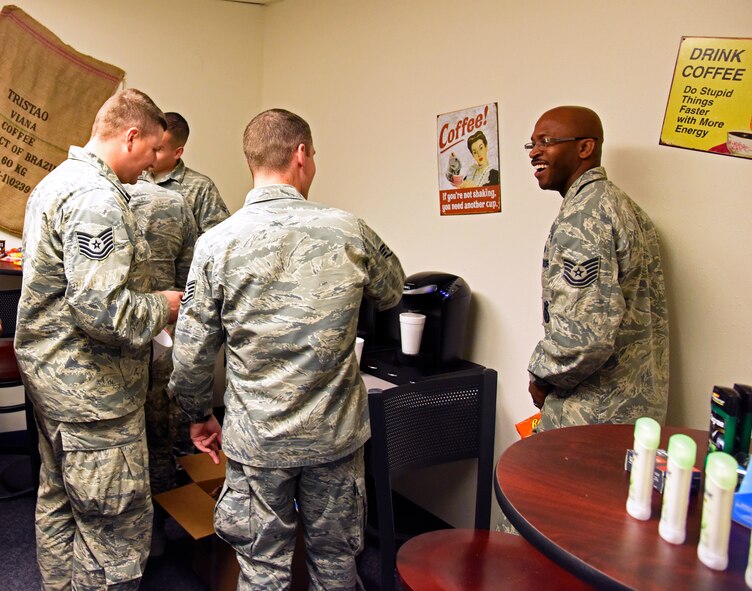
pixel 411 331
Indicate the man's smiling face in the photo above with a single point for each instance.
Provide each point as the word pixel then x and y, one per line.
pixel 556 166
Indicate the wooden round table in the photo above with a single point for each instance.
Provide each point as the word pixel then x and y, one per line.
pixel 9 269
pixel 565 491
pixel 477 560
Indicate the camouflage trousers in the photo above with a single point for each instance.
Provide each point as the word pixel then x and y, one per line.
pixel 94 511
pixel 161 427
pixel 256 514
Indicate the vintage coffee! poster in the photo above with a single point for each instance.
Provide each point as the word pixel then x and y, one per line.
pixel 468 155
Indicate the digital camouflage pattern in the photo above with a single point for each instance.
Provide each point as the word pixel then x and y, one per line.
pixel 167 224
pixel 84 328
pixel 280 284
pixel 605 348
pixel 96 475
pixel 161 431
pixel 166 221
pixel 200 193
pixel 333 520
pixel 82 344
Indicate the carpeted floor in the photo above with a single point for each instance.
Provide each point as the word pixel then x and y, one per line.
pixel 17 541
pixel 173 571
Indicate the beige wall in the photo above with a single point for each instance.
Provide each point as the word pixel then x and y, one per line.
pixel 201 58
pixel 371 76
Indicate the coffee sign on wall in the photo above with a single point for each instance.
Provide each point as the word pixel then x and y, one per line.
pixel 468 155
pixel 710 103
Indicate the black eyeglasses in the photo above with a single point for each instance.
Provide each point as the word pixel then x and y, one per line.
pixel 550 141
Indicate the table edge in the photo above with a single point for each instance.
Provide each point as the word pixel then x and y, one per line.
pixel 548 548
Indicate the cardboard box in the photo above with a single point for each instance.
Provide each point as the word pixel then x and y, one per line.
pixel 192 506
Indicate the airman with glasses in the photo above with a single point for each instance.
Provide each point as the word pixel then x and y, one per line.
pixel 604 354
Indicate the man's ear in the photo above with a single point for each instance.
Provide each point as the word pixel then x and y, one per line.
pixel 301 154
pixel 179 152
pixel 131 135
pixel 587 147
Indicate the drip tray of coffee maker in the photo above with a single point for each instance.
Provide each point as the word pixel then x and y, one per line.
pixel 386 364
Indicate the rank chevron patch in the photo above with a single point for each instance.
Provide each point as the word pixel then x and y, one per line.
pixel 384 250
pixel 190 290
pixel 581 274
pixel 96 248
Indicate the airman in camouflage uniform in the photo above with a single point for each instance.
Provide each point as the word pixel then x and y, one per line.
pixel 171 172
pixel 166 221
pixel 604 356
pixel 202 197
pixel 82 344
pixel 280 284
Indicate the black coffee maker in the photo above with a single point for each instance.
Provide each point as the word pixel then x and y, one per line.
pixel 445 300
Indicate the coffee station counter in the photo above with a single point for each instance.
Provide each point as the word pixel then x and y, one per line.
pixel 453 504
pixel 372 382
pixel 384 364
pixel 391 358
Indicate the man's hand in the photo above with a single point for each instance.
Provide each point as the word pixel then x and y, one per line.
pixel 173 302
pixel 539 393
pixel 207 437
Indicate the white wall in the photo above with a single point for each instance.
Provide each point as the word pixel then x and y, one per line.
pixel 371 76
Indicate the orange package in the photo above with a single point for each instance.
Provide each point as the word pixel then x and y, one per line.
pixel 525 428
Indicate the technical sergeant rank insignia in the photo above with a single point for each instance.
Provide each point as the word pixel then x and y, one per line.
pixel 96 248
pixel 190 291
pixel 581 274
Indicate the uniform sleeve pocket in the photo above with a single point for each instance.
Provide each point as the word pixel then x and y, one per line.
pixel 141 250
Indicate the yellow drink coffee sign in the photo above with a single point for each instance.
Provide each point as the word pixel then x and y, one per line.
pixel 710 104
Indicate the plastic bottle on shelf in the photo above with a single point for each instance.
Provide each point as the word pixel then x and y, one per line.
pixel 647 434
pixel 720 483
pixel 682 452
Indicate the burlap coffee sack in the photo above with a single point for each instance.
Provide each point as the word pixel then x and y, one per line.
pixel 49 96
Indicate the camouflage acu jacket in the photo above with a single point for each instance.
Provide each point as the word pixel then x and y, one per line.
pixel 280 283
pixel 166 221
pixel 200 193
pixel 84 328
pixel 605 348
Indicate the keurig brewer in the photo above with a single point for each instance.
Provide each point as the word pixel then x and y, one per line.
pixel 444 299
